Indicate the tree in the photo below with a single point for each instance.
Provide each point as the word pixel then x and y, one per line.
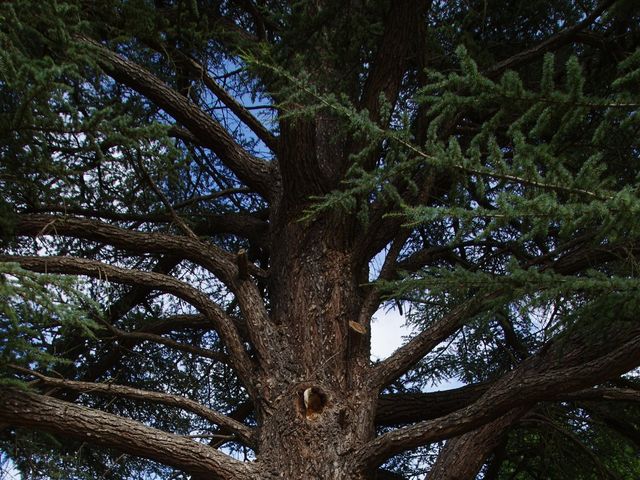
pixel 239 186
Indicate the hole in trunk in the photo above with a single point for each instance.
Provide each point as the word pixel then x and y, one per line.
pixel 311 402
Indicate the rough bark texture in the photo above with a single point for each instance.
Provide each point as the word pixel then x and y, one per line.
pixel 463 456
pixel 294 332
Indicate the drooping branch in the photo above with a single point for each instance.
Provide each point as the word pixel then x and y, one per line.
pixel 563 368
pixel 26 409
pixel 254 172
pixel 410 353
pixel 252 227
pixel 221 263
pixel 223 323
pixel 589 257
pixel 426 256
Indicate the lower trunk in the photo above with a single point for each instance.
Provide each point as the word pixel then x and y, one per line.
pixel 314 439
pixel 315 291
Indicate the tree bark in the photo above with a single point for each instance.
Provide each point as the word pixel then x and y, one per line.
pixel 463 456
pixel 315 393
pixel 24 409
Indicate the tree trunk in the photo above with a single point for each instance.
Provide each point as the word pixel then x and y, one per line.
pixel 301 345
pixel 314 292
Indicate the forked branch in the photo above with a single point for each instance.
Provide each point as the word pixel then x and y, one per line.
pixel 224 325
pixel 254 172
pixel 561 369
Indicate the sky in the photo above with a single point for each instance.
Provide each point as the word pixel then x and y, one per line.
pixel 387 332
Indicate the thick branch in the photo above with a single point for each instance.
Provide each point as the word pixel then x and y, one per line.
pixel 463 456
pixel 398 44
pixel 399 408
pixel 24 409
pixel 590 256
pixel 204 254
pixel 252 227
pixel 243 433
pixel 254 172
pixel 420 258
pixel 404 408
pixel 558 370
pixel 604 394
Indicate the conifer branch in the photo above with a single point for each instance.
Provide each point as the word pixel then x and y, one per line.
pixel 245 116
pixel 241 432
pixel 551 43
pixel 475 447
pixel 204 254
pixel 254 172
pixel 251 226
pixel 382 133
pixel 165 201
pixel 39 412
pixel 406 356
pixel 222 264
pixel 565 367
pixel 406 408
pixel 398 45
pixel 139 336
pixel 223 323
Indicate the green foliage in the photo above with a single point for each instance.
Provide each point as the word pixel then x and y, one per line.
pixel 524 183
pixel 35 309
